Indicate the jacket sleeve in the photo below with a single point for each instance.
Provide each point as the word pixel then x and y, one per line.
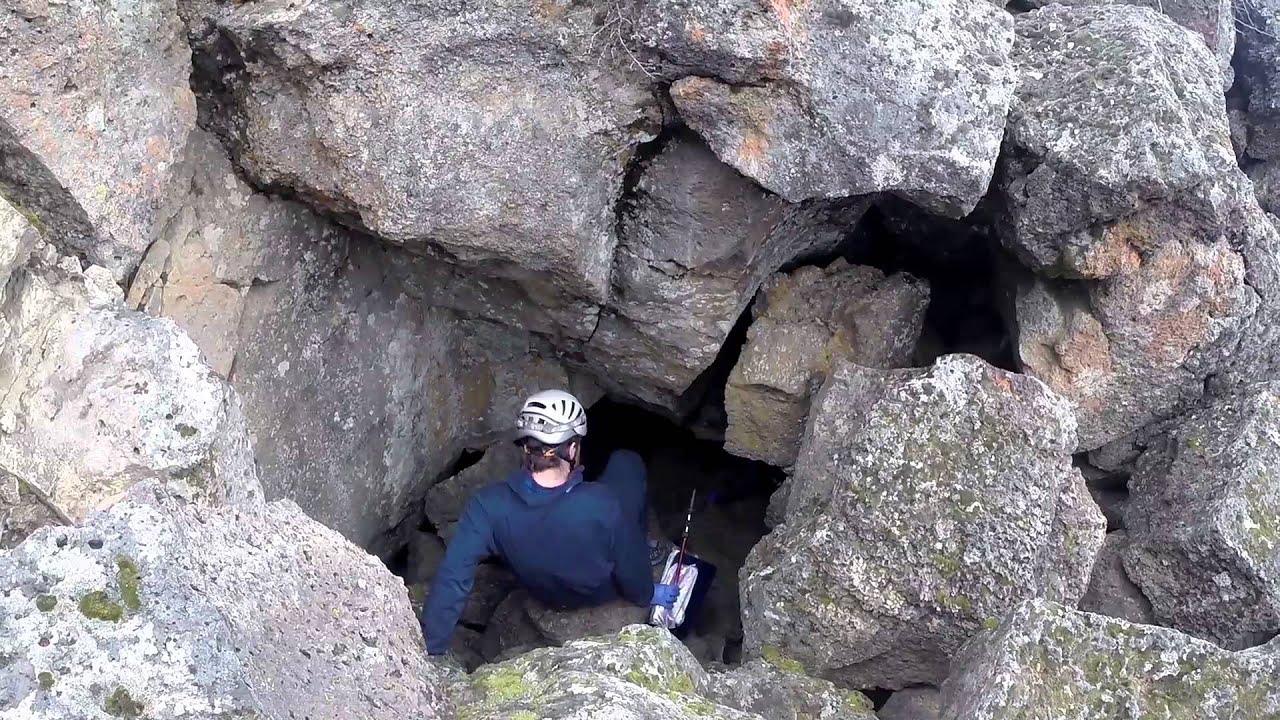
pixel 472 542
pixel 631 570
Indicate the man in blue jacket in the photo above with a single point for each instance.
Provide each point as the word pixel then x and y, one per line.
pixel 570 544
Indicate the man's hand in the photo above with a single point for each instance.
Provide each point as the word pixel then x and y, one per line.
pixel 665 595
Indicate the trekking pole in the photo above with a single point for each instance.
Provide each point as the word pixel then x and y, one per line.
pixel 688 520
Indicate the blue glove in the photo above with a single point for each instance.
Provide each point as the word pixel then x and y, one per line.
pixel 665 595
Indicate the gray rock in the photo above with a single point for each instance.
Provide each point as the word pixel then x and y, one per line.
pixel 521 623
pixel 510 632
pixel 95 110
pixel 425 551
pixel 641 673
pixel 1128 182
pixel 779 694
pixel 803 323
pixel 1214 20
pixel 1047 661
pixel 697 241
pixel 844 97
pixel 917 703
pixel 1204 540
pixel 358 392
pixel 1266 184
pixel 924 503
pixel 1111 592
pixel 499 134
pixel 447 499
pixel 492 585
pixel 1111 503
pixel 97 397
pixel 157 608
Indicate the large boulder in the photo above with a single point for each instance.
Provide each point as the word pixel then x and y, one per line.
pixel 358 392
pixel 95 110
pixel 803 324
pixel 1048 661
pixel 924 503
pixel 1214 20
pixel 697 239
pixel 1121 191
pixel 157 608
pixel 498 133
pixel 1111 592
pixel 838 98
pixel 521 623
pixel 784 693
pixel 917 703
pixel 97 397
pixel 640 673
pixel 1204 521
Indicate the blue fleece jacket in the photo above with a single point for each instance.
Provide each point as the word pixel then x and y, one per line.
pixel 570 547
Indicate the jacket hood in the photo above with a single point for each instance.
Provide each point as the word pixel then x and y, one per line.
pixel 522 484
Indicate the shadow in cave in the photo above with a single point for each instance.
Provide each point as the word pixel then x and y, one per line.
pixel 959 259
pixel 728 519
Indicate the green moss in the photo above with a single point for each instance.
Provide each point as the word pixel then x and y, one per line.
pixel 952 602
pixel 947 565
pixel 98 606
pixel 130 581
pixel 699 707
pixel 46 680
pixel 990 623
pixel 28 214
pixel 858 702
pixel 774 657
pixel 682 683
pixel 525 715
pixel 502 684
pixel 45 603
pixel 120 704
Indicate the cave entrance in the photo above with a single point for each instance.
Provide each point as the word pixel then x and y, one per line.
pixel 959 259
pixel 729 510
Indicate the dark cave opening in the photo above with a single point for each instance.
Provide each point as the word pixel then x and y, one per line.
pixel 960 260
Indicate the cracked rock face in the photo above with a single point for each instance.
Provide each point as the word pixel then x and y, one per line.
pixel 1111 592
pixel 838 98
pixel 804 323
pixel 1046 660
pixel 157 608
pixel 785 693
pixel 697 240
pixel 1204 538
pixel 923 504
pixel 1121 191
pixel 498 132
pixel 95 110
pixel 1259 53
pixel 344 369
pixel 97 397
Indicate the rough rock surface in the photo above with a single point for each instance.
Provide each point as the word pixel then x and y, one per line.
pixel 918 703
pixel 343 366
pixel 447 499
pixel 97 397
pixel 157 608
pixel 1214 20
pixel 803 323
pixel 924 503
pixel 640 673
pixel 1047 661
pixel 783 694
pixel 95 110
pixel 1119 176
pixel 838 98
pixel 521 623
pixel 497 132
pixel 1111 592
pixel 1204 534
pixel 697 240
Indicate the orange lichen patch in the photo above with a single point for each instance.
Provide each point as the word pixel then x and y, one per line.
pixel 1001 380
pixel 1117 252
pixel 752 148
pixel 1174 335
pixel 697 33
pixel 785 9
pixel 551 10
pixel 1086 347
pixel 691 87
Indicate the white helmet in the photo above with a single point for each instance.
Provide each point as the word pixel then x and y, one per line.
pixel 551 417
